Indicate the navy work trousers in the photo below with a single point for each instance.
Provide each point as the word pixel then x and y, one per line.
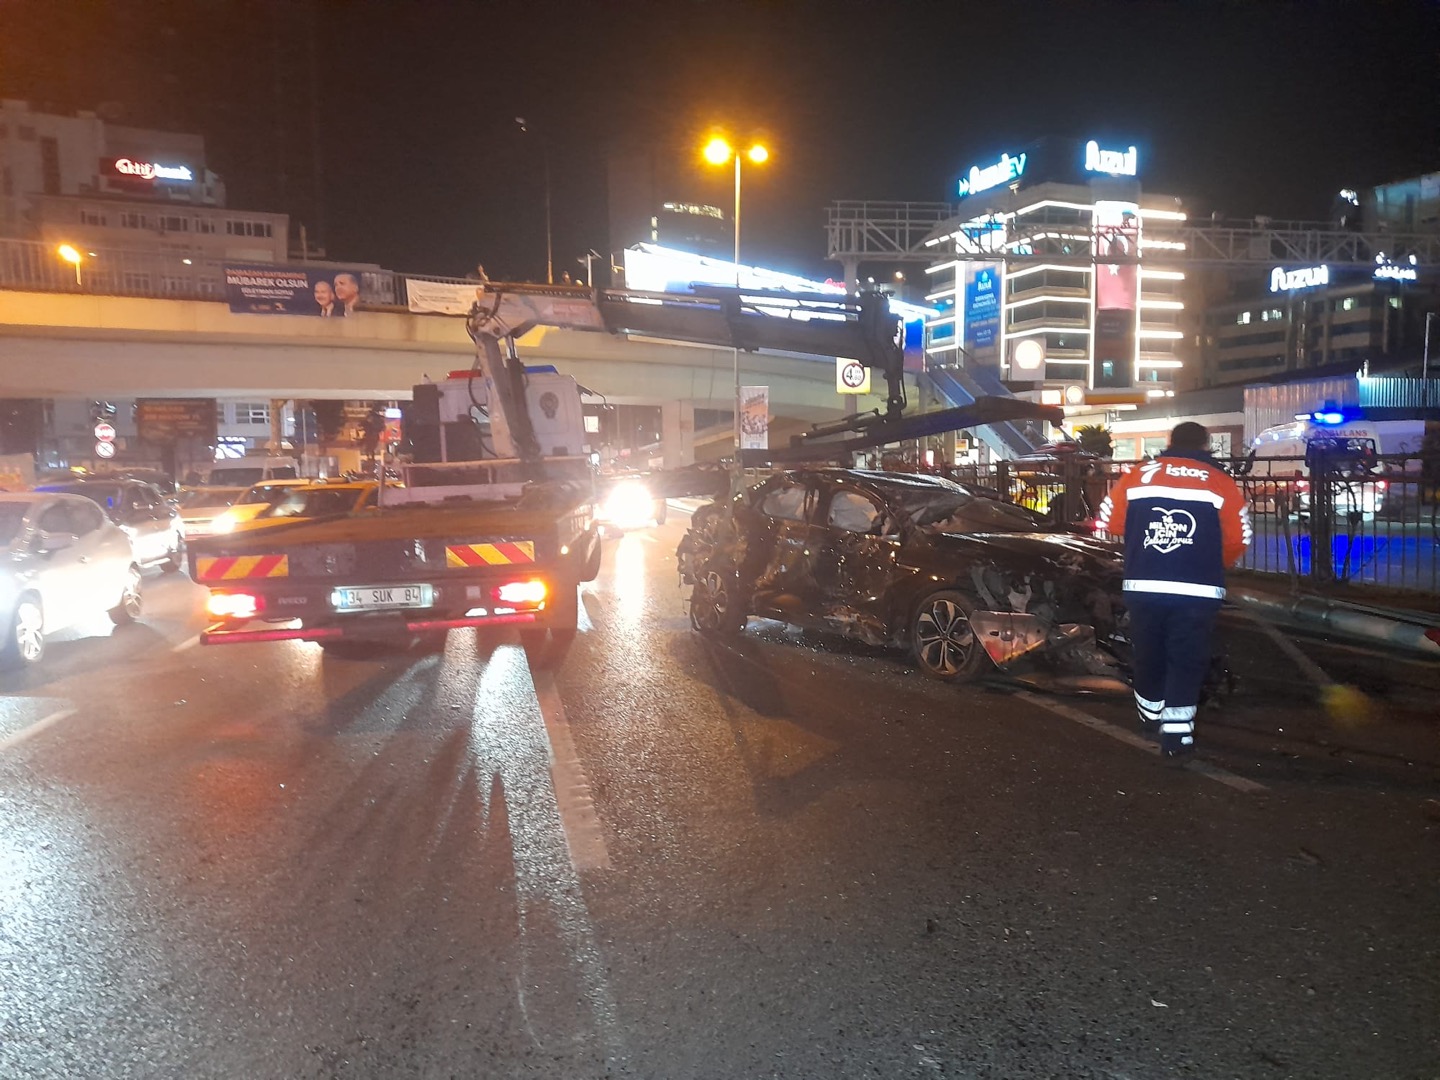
pixel 1171 640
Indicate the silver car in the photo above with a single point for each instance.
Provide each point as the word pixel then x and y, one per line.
pixel 62 562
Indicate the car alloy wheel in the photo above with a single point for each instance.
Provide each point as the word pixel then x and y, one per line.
pixel 942 639
pixel 28 633
pixel 129 608
pixel 714 603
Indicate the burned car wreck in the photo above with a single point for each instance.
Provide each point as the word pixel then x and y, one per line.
pixel 966 583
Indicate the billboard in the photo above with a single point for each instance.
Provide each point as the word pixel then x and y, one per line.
pixel 754 418
pixel 293 290
pixel 981 313
pixel 168 419
pixel 1117 292
pixel 442 297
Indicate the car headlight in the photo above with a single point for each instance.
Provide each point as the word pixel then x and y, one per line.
pixel 628 505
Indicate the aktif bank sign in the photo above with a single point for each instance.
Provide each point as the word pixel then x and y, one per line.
pixel 1114 162
pixel 149 170
pixel 1007 170
pixel 1309 277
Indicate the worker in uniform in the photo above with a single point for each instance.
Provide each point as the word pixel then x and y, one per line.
pixel 1183 521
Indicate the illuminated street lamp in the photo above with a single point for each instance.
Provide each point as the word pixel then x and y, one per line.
pixel 69 253
pixel 718 151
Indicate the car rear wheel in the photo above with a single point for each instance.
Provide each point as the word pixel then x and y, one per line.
pixel 715 605
pixel 941 639
pixel 128 610
pixel 591 570
pixel 25 643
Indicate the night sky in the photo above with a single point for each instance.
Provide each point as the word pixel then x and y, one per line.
pixel 1243 108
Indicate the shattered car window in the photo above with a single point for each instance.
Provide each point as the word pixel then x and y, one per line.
pixel 853 512
pixel 786 503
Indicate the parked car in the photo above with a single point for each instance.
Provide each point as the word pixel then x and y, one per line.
pixel 916 561
pixel 144 514
pixel 64 562
pixel 200 506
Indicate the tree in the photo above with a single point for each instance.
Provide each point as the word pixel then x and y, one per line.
pixel 1095 439
pixel 329 421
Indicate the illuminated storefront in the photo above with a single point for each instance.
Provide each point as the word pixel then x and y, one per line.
pixel 1060 275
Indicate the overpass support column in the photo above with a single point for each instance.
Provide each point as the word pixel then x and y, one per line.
pixel 677 433
pixel 277 425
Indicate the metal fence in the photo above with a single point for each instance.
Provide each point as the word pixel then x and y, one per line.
pixel 178 274
pixel 1377 525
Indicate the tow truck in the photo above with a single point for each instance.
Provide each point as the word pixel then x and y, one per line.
pixel 495 522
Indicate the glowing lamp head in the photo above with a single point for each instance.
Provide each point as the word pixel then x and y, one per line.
pixel 717 151
pixel 758 154
pixel 69 253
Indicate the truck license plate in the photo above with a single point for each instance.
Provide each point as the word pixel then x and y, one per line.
pixel 382 597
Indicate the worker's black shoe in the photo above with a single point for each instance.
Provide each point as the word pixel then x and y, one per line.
pixel 1149 728
pixel 1177 749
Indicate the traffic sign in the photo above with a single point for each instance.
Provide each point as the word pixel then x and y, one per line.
pixel 105 432
pixel 851 377
pixel 105 449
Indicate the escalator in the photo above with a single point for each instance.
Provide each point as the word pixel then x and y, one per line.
pixel 964 386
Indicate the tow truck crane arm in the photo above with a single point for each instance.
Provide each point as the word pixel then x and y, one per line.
pixel 859 327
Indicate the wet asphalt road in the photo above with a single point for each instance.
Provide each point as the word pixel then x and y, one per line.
pixel 672 858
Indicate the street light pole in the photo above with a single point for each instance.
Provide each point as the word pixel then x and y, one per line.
pixel 735 349
pixel 1425 361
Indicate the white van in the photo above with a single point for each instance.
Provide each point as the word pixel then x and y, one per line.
pixel 247 471
pixel 1283 453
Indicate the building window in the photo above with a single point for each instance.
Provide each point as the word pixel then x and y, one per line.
pixel 50 165
pixel 91 217
pixel 1394 301
pixel 1243 319
pixel 175 224
pixel 204 225
pixel 1270 314
pixel 131 220
pixel 220 413
pixel 174 286
pixel 1348 304
pixel 136 281
pixel 248 228
pixel 252 412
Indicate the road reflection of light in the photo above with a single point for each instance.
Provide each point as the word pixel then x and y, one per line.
pixel 628 579
pixel 509 737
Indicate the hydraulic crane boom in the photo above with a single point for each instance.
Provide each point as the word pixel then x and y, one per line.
pixel 859 327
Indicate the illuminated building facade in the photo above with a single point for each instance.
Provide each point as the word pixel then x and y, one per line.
pixel 1060 276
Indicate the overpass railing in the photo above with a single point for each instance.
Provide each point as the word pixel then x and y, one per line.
pixel 35 266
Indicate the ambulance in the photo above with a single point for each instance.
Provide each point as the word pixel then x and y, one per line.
pixel 1278 467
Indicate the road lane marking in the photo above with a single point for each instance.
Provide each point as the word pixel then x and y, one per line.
pixel 583 833
pixel 1133 738
pixel 34 729
pixel 188 643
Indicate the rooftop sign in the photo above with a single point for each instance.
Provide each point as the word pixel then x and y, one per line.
pixel 1005 171
pixel 1309 277
pixel 1113 162
pixel 150 170
pixel 1395 271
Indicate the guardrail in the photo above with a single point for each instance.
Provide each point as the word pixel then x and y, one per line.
pixel 1378 525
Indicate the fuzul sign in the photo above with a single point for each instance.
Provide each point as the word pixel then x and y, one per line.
pixel 1308 277
pixel 1114 162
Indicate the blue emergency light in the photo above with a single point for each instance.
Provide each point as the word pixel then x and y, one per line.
pixel 1329 416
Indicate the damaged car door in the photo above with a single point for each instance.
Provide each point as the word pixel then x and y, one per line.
pixel 780 566
pixel 857 566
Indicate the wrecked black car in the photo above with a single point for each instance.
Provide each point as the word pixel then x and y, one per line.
pixel 965 582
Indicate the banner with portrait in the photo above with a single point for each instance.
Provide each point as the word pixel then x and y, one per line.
pixel 293 290
pixel 755 418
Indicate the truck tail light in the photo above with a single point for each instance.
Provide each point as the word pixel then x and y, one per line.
pixel 234 605
pixel 1381 485
pixel 529 592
